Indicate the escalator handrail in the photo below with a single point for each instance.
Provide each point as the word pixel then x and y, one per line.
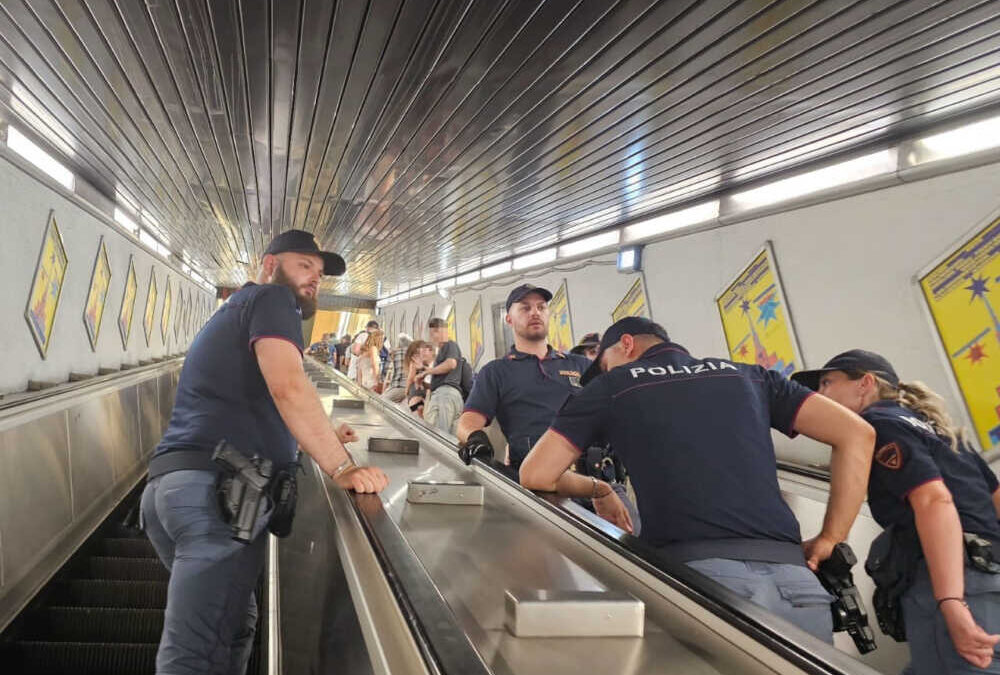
pixel 817 658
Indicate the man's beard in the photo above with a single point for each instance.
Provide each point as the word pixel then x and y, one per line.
pixel 305 303
pixel 532 333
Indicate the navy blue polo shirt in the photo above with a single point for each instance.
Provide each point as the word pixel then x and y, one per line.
pixel 695 437
pixel 908 454
pixel 221 392
pixel 524 394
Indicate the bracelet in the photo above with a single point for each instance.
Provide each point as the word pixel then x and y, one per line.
pixel 961 600
pixel 344 466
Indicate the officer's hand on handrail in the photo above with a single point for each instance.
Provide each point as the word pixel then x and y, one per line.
pixel 346 434
pixel 363 479
pixel 971 642
pixel 818 549
pixel 477 445
pixel 608 505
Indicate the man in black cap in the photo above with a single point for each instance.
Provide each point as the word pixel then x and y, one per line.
pixel 242 382
pixel 695 436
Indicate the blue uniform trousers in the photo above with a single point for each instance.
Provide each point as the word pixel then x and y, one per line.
pixel 211 610
pixel 792 592
pixel 931 649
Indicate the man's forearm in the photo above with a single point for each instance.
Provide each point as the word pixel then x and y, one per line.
pixel 303 414
pixel 850 466
pixel 442 368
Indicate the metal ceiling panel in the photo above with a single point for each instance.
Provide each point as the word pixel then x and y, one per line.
pixel 424 137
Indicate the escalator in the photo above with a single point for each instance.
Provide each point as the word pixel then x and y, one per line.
pixel 102 613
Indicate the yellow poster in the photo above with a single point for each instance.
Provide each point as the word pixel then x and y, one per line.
pixel 560 323
pixel 100 281
pixel 46 288
pixel 181 307
pixel 960 295
pixel 165 315
pixel 476 334
pixel 755 318
pixel 149 316
pixel 128 304
pixel 633 304
pixel 452 333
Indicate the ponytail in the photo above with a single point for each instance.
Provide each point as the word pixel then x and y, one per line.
pixel 919 398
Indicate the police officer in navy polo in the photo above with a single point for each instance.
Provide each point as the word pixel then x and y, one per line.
pixel 525 388
pixel 695 436
pixel 242 381
pixel 927 487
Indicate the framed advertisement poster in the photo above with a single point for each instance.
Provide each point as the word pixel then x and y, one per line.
pixel 962 295
pixel 476 334
pixel 46 287
pixel 168 302
pixel 450 319
pixel 97 296
pixel 560 322
pixel 127 309
pixel 635 302
pixel 149 316
pixel 755 317
pixel 418 327
pixel 179 318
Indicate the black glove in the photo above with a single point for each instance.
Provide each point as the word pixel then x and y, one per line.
pixel 478 445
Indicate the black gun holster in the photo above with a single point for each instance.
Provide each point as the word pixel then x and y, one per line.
pixel 892 563
pixel 247 486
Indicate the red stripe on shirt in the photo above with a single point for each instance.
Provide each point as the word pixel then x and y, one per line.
pixel 274 337
pixel 567 438
pixel 929 480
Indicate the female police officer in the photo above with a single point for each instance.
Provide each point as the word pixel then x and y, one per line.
pixel 926 478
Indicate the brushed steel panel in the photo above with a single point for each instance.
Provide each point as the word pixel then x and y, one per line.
pixel 166 386
pixel 35 496
pixel 150 428
pixel 96 434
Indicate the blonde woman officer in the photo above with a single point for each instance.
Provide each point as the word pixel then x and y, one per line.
pixel 926 479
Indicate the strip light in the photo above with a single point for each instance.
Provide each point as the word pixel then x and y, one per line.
pixel 580 246
pixel 20 144
pixel 495 270
pixel 965 140
pixel 668 222
pixel 533 259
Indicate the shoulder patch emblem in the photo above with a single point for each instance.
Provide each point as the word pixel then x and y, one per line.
pixel 890 456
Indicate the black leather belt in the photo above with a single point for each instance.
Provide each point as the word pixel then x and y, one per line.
pixel 182 460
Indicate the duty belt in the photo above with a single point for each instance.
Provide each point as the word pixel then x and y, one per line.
pixel 182 460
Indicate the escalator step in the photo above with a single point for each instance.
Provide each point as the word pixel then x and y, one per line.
pixel 110 593
pixel 130 569
pixel 52 658
pixel 94 624
pixel 127 548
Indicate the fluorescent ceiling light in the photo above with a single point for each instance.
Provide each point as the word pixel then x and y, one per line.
pixel 668 222
pixel 125 221
pixel 588 244
pixel 151 241
pixel 446 283
pixel 962 141
pixel 494 270
pixel 532 259
pixel 20 144
pixel 463 279
pixel 843 173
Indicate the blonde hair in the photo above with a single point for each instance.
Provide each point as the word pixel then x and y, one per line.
pixel 922 400
pixel 375 339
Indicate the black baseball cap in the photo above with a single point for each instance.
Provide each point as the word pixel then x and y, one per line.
pixel 523 290
pixel 300 241
pixel 853 360
pixel 630 325
pixel 587 341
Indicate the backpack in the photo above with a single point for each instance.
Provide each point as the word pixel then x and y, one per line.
pixel 468 377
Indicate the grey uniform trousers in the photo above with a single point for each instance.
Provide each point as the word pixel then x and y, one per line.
pixel 211 610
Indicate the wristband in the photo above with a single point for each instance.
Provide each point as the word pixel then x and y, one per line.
pixel 344 466
pixel 961 600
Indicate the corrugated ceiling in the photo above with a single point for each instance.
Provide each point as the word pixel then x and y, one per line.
pixel 418 137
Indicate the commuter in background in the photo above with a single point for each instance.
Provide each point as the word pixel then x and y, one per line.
pixel 927 488
pixel 588 346
pixel 242 382
pixel 419 357
pixel 445 404
pixel 340 353
pixel 357 346
pixel 369 362
pixel 394 382
pixel 320 349
pixel 695 436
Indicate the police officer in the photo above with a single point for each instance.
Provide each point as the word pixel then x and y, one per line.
pixel 926 480
pixel 695 436
pixel 242 381
pixel 526 387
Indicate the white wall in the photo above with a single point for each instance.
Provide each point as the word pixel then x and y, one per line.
pixel 27 202
pixel 847 266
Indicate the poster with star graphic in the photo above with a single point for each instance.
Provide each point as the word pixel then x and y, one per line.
pixel 476 342
pixel 755 317
pixel 560 321
pixel 963 296
pixel 100 282
pixel 46 287
pixel 450 320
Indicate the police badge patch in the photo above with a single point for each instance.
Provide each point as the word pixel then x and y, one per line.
pixel 890 456
pixel 572 375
